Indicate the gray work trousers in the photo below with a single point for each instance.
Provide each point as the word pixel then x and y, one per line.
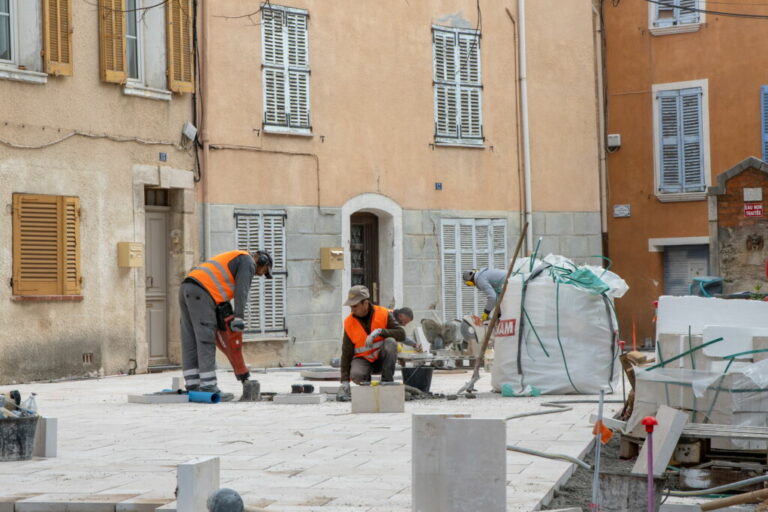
pixel 198 328
pixel 361 369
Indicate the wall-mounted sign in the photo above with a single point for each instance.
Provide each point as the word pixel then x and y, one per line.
pixel 753 194
pixel 622 210
pixel 753 209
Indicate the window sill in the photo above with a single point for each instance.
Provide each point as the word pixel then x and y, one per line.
pixel 681 197
pixel 675 29
pixel 459 144
pixel 284 130
pixel 46 298
pixel 10 72
pixel 255 338
pixel 141 91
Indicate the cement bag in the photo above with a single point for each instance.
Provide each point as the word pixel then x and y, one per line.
pixel 566 336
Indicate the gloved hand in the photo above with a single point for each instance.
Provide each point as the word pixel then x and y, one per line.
pixel 374 334
pixel 237 325
pixel 343 394
pixel 484 316
pixel 419 348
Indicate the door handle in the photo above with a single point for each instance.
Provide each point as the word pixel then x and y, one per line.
pixel 150 282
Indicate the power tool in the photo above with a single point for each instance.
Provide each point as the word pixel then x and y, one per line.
pixel 231 343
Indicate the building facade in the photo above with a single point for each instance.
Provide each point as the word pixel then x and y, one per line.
pixel 687 98
pixel 98 184
pixel 393 144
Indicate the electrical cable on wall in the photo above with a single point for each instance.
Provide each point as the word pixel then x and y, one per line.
pixel 77 133
pixel 672 5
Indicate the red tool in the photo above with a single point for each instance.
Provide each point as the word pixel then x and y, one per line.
pixel 231 343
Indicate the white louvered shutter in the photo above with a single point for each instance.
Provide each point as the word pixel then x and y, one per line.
pixel 471 98
pixel 265 311
pixel 664 15
pixel 499 243
pixel 693 168
pixel 298 69
pixel 446 102
pixel 670 144
pixel 686 12
pixel 273 57
pixel 451 277
pixel 764 118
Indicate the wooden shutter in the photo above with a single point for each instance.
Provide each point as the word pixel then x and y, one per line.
pixel 764 120
pixel 669 176
pixel 57 37
pixel 693 160
pixel 451 273
pixel 112 59
pixel 179 15
pixel 265 311
pixel 46 238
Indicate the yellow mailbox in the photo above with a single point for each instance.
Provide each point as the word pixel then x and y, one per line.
pixel 331 258
pixel 130 254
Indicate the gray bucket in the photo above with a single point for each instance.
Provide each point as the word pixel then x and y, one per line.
pixel 17 438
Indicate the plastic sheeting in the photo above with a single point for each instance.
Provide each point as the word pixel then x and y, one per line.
pixel 557 330
pixel 739 397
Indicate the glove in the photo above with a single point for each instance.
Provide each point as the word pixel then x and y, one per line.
pixel 374 334
pixel 237 325
pixel 343 394
pixel 485 316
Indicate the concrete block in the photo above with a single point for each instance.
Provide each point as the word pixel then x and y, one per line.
pixel 420 246
pixel 197 479
pixel 575 247
pixel 141 504
pixel 307 246
pixel 167 398
pixel 321 374
pixel 169 507
pixel 558 223
pixel 221 242
pixel 67 502
pixel 46 438
pixel 329 390
pixel 303 273
pixel 587 223
pixel 595 246
pixel 300 220
pixel 367 399
pixel 665 437
pixel 8 503
pixel 328 222
pixel 222 218
pixel 459 463
pixel 413 222
pixel 177 383
pixel 299 398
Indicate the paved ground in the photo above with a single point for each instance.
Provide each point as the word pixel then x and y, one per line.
pixel 279 457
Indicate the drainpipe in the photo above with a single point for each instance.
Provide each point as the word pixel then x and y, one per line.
pixel 599 70
pixel 524 121
pixel 204 136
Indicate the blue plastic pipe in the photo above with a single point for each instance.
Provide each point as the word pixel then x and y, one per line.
pixel 203 397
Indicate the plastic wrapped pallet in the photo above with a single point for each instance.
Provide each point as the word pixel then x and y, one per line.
pixel 557 330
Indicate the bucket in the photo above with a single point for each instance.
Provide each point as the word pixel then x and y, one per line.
pixel 419 377
pixel 17 438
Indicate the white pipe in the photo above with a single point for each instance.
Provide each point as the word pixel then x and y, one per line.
pixel 524 127
pixel 601 120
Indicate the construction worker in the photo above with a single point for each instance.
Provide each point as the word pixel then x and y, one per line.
pixel 370 341
pixel 490 281
pixel 204 298
pixel 404 316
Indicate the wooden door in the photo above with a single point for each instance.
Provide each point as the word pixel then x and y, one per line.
pixel 364 252
pixel 156 283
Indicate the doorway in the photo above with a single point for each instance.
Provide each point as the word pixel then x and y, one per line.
pixel 364 252
pixel 156 274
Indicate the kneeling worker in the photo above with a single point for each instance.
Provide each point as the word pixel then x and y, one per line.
pixel 370 341
pixel 211 285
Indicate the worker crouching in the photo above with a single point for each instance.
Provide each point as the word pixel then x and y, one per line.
pixel 370 341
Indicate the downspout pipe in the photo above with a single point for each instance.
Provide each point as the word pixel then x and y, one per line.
pixel 524 127
pixel 204 135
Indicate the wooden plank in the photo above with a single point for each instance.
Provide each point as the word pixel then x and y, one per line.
pixel 665 437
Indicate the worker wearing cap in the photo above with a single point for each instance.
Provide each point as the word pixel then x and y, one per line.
pixel 404 316
pixel 212 283
pixel 490 281
pixel 370 341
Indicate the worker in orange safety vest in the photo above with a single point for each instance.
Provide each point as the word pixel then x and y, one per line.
pixel 207 288
pixel 370 341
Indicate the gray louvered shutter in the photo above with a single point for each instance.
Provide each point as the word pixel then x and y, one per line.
pixel 468 303
pixel 499 240
pixel 451 272
pixel 471 97
pixel 273 57
pixel 298 69
pixel 691 130
pixel 446 101
pixel 687 12
pixel 669 176
pixel 664 15
pixel 764 120
pixel 247 234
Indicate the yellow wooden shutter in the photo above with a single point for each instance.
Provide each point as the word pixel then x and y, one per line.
pixel 36 244
pixel 112 41
pixel 57 36
pixel 70 251
pixel 179 16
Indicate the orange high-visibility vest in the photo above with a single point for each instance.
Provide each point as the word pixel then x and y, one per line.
pixel 354 330
pixel 215 277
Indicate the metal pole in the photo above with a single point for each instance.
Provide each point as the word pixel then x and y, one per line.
pixel 595 505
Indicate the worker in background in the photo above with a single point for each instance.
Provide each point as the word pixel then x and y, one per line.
pixel 490 281
pixel 370 341
pixel 404 316
pixel 204 295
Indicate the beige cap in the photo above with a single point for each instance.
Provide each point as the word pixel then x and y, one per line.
pixel 357 294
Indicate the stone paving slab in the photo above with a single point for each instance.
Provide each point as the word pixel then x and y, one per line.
pixel 279 457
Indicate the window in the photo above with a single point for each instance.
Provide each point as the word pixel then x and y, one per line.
pixel 265 311
pixel 675 16
pixel 285 54
pixel 681 264
pixel 148 48
pixel 468 244
pixel 6 32
pixel 46 245
pixel 457 85
pixel 764 120
pixel 681 140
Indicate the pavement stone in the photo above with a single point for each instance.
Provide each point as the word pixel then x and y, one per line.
pixel 278 457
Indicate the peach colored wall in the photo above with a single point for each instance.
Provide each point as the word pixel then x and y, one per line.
pixel 373 109
pixel 725 51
